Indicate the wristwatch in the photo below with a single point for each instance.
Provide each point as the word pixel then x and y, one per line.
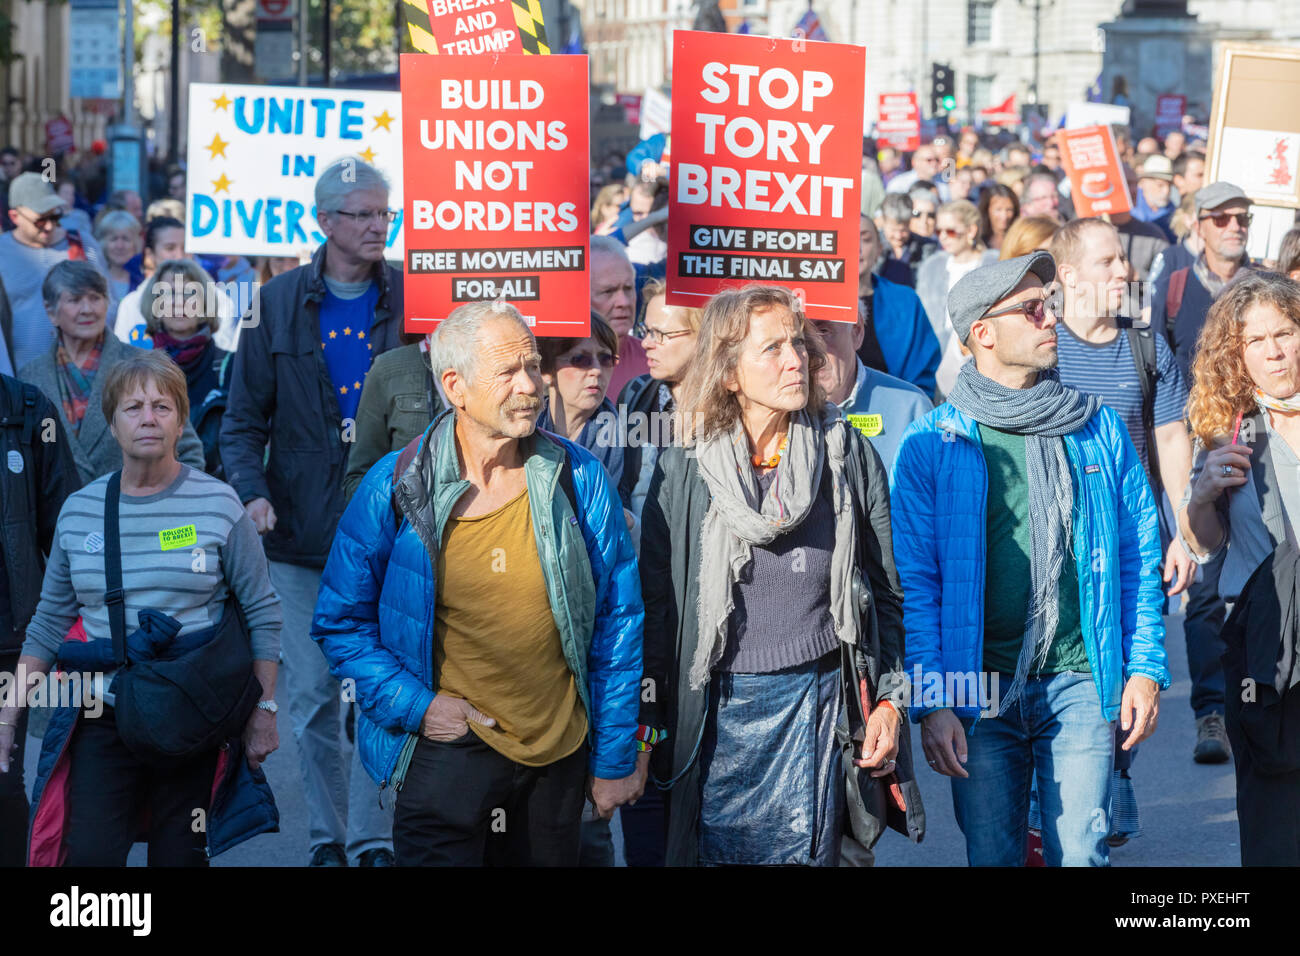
pixel 270 706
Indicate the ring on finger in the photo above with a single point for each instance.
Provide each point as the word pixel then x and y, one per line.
pixel 1228 471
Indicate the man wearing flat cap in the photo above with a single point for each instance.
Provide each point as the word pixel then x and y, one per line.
pixel 1028 547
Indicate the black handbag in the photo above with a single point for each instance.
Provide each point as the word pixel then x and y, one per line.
pixel 170 712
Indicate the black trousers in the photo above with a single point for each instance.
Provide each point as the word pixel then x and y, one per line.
pixel 463 804
pixel 13 791
pixel 109 790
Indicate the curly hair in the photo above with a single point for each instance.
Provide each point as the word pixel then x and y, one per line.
pixel 1221 386
pixel 708 407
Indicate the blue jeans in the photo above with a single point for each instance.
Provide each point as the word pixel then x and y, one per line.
pixel 1056 728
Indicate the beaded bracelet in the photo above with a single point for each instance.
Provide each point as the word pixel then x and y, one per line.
pixel 647 737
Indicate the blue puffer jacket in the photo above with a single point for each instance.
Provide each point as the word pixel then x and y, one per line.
pixel 375 612
pixel 938 506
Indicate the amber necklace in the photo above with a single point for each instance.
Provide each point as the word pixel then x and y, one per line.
pixel 760 462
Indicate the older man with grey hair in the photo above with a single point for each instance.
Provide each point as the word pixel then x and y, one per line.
pixel 613 298
pixel 295 385
pixel 483 596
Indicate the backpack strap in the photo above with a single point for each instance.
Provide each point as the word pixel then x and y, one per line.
pixel 1174 298
pixel 404 459
pixel 1142 346
pixel 114 598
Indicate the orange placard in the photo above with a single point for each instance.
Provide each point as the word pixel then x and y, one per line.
pixel 1097 183
pixel 496 188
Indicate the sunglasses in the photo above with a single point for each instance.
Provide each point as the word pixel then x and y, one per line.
pixel 951 233
pixel 923 215
pixel 48 221
pixel 585 360
pixel 1032 310
pixel 1221 219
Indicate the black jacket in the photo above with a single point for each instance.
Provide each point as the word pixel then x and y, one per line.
pixel 281 396
pixel 1261 667
pixel 641 395
pixel 38 474
pixel 670 561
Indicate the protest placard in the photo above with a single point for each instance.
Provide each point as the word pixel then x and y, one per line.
pixel 497 199
pixel 1170 109
pixel 467 27
pixel 255 153
pixel 1254 126
pixel 1080 115
pixel 1097 182
pixel 898 122
pixel 767 167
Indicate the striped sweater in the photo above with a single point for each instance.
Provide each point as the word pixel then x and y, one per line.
pixel 184 550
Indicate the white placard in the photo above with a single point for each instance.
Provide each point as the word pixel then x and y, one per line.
pixel 1263 163
pixel 255 153
pixel 1079 115
pixel 656 113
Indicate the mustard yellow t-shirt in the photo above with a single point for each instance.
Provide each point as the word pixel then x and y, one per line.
pixel 495 640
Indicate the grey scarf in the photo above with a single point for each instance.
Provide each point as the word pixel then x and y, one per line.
pixel 1043 413
pixel 740 517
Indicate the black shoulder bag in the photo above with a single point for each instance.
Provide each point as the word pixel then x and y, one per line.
pixel 172 711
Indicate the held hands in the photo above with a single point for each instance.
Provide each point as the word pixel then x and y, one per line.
pixel 880 746
pixel 261 738
pixel 1179 567
pixel 944 741
pixel 1212 481
pixel 448 718
pixel 1139 710
pixel 262 515
pixel 609 795
pixel 9 716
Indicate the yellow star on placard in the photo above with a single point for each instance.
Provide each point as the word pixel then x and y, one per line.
pixel 361 335
pixel 343 389
pixel 382 121
pixel 217 147
pixel 347 330
pixel 220 185
pixel 367 154
pixel 221 102
pixel 333 334
pixel 356 385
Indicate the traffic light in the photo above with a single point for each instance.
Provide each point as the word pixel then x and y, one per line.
pixel 942 88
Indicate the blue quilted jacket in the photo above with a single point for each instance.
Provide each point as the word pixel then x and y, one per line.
pixel 374 615
pixel 938 506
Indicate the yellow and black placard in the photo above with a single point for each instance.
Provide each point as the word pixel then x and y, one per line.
pixel 420 38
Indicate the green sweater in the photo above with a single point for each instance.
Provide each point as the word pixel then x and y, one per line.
pixel 1007 569
pixel 395 407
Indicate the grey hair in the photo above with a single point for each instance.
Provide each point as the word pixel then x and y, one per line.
pixel 344 176
pixel 896 207
pixel 116 220
pixel 195 285
pixel 927 193
pixel 609 246
pixel 454 344
pixel 73 276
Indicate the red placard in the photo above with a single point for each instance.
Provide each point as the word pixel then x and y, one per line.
pixel 767 169
pixel 1097 183
pixel 1170 108
pixel 464 27
pixel 899 122
pixel 495 162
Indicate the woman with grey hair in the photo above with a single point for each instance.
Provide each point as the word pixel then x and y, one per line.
pixel 774 631
pixel 181 310
pixel 72 372
pixel 118 234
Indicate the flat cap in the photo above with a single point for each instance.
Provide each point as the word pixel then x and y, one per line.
pixel 977 292
pixel 1216 194
pixel 31 191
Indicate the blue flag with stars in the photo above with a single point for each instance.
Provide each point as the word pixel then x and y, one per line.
pixel 345 340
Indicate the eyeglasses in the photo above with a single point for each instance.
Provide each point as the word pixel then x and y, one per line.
pixel 1032 309
pixel 659 337
pixel 1221 219
pixel 586 361
pixel 48 221
pixel 369 215
pixel 923 215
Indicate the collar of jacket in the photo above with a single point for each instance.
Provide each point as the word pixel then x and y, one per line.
pixel 316 288
pixel 431 485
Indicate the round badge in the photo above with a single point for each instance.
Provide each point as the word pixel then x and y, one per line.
pixel 94 542
pixel 16 462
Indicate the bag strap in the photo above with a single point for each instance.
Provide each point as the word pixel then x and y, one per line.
pixel 1174 297
pixel 114 598
pixel 1142 346
pixel 404 459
